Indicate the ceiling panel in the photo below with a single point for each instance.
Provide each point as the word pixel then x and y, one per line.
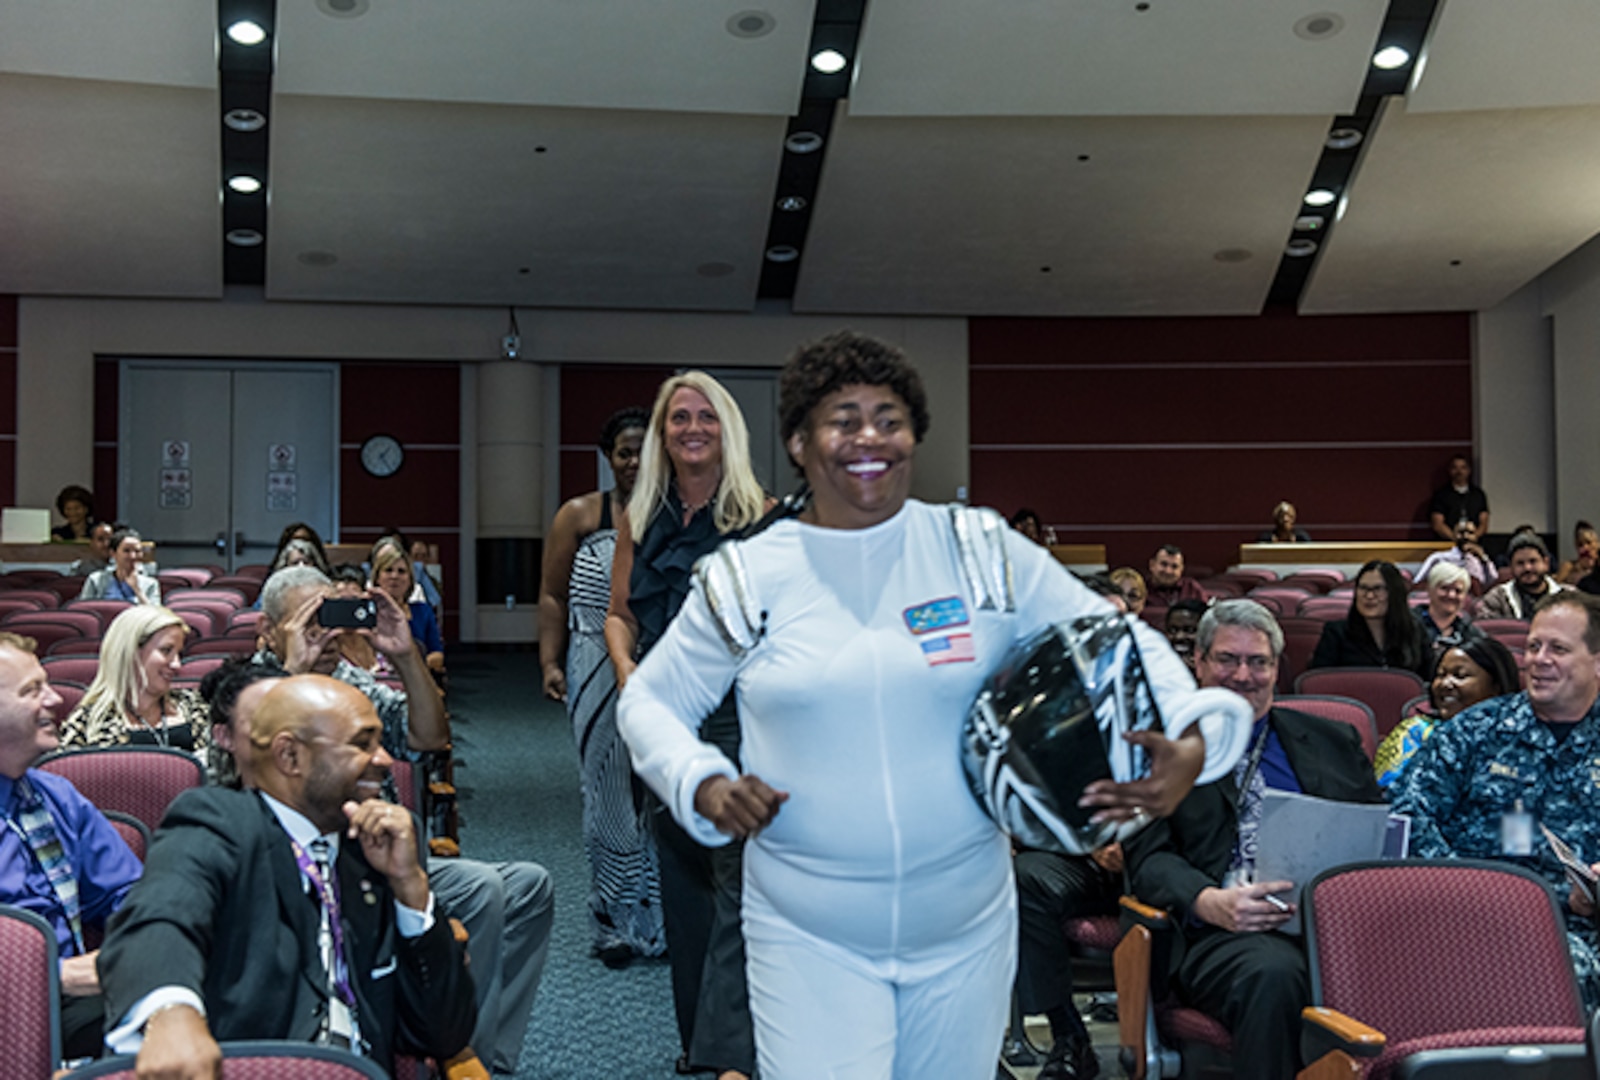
pixel 434 203
pixel 960 216
pixel 164 42
pixel 1489 54
pixel 621 54
pixel 1047 58
pixel 1505 193
pixel 108 189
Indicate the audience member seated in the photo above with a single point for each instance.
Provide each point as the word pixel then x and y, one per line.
pixel 1283 529
pixel 1052 888
pixel 1469 671
pixel 233 691
pixel 1459 500
pixel 350 582
pixel 426 590
pixel 1442 618
pixel 1229 960
pixel 1183 621
pixel 132 699
pixel 299 530
pixel 59 857
pixel 1380 630
pixel 76 504
pixel 1167 584
pixel 507 907
pixel 1468 555
pixel 1027 522
pixel 98 557
pixel 1130 583
pixel 1586 541
pixel 1483 784
pixel 216 943
pixel 125 578
pixel 1530 582
pixel 392 573
pixel 1502 561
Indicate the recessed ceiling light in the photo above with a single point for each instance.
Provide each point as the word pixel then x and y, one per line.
pixel 1320 26
pixel 1390 58
pixel 244 185
pixel 1309 223
pixel 244 120
pixel 792 203
pixel 1320 197
pixel 1300 248
pixel 803 142
pixel 344 9
pixel 1232 255
pixel 751 24
pixel 317 258
pixel 782 253
pixel 1344 138
pixel 244 237
pixel 246 32
pixel 829 61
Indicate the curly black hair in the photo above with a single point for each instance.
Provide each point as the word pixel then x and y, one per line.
pixel 845 359
pixel 621 421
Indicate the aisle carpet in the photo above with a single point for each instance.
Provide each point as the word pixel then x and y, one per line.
pixel 518 777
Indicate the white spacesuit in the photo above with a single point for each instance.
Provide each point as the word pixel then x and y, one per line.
pixel 879 912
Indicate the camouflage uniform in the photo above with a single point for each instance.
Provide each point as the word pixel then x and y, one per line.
pixel 1472 771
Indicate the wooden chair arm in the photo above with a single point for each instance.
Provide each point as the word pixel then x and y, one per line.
pixel 464 1066
pixel 1131 966
pixel 443 847
pixel 1332 1041
pixel 1144 914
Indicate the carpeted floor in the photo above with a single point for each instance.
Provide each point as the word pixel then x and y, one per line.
pixel 518 778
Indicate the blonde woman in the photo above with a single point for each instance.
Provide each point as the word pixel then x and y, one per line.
pixel 392 573
pixel 695 488
pixel 132 699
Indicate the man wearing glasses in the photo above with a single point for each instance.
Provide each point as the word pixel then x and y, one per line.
pixel 1229 961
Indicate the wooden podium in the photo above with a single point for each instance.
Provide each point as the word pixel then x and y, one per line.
pixel 1346 555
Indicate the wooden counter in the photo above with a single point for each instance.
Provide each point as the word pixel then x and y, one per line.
pixel 1346 555
pixel 1083 558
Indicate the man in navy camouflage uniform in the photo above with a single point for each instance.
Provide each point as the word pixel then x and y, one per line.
pixel 1483 783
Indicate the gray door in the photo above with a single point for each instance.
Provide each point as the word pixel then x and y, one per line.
pixel 756 392
pixel 215 459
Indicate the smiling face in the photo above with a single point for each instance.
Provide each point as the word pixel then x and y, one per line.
pixel 1588 544
pixel 693 435
pixel 1529 568
pixel 1372 595
pixel 1563 675
pixel 395 579
pixel 1240 659
pixel 348 760
pixel 1445 600
pixel 127 555
pixel 1166 570
pixel 624 459
pixel 856 451
pixel 1181 628
pixel 100 541
pixel 160 658
pixel 75 512
pixel 1458 683
pixel 27 711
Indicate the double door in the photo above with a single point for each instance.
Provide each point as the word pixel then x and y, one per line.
pixel 215 459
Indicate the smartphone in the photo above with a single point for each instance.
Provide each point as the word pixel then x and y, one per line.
pixel 357 612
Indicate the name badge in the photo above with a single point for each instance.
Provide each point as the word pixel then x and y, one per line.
pixel 1516 833
pixel 936 615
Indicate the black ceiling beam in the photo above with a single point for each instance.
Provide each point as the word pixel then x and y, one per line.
pixel 245 84
pixel 836 25
pixel 1406 25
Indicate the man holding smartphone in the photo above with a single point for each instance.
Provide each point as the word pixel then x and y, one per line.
pixel 507 907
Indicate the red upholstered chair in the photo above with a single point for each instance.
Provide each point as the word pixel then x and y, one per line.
pixel 1159 1037
pixel 1324 608
pixel 1512 633
pixel 30 1024
pixel 1385 690
pixel 1491 969
pixel 65 588
pixel 45 597
pixel 221 612
pixel 198 667
pixel 1287 597
pixel 75 647
pixel 1217 588
pixel 201 623
pixel 1422 703
pixel 50 634
pixel 71 694
pixel 1274 604
pixel 259 571
pixel 78 669
pixel 195 577
pixel 104 610
pixel 1092 940
pixel 1300 637
pixel 226 646
pixel 260 1060
pixel 134 833
pixel 234 598
pixel 249 586
pixel 11 605
pixel 1249 579
pixel 138 780
pixel 1344 710
pixel 85 624
pixel 1317 578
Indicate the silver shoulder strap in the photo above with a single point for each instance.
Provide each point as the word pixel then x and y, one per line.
pixel 726 584
pixel 980 545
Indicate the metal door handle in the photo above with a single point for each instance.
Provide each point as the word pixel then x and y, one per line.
pixel 221 543
pixel 238 543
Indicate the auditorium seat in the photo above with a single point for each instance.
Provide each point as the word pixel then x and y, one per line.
pixel 226 646
pixel 1287 597
pixel 1249 579
pixel 137 780
pixel 1385 690
pixel 65 587
pixel 46 599
pixel 195 576
pixel 71 694
pixel 50 634
pixel 1160 1037
pixel 104 610
pixel 1318 579
pixel 10 605
pixel 30 1024
pixel 134 832
pixel 1325 608
pixel 249 586
pixel 198 667
pixel 259 571
pixel 84 623
pixel 76 647
pixel 234 598
pixel 1490 970
pixel 1512 633
pixel 1344 710
pixel 201 622
pixel 260 1060
pixel 221 612
pixel 1300 637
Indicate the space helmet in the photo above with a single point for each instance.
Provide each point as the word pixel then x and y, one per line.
pixel 1049 722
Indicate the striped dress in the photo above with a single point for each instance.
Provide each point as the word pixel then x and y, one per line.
pixel 625 884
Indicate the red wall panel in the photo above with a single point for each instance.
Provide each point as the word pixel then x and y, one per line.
pixel 590 393
pixel 1138 432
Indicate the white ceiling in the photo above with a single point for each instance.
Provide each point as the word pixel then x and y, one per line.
pixel 403 145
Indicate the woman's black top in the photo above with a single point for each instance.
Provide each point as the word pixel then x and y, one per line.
pixel 1338 647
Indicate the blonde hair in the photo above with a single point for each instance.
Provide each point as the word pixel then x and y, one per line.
pixel 386 552
pixel 121 678
pixel 739 500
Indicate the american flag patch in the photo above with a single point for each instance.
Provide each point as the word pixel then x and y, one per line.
pixel 950 649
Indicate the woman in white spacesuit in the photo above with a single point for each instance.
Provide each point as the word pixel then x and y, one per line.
pixel 879 909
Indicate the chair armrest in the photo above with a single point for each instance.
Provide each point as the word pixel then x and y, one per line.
pixel 1145 915
pixel 464 1066
pixel 1139 964
pixel 1329 1034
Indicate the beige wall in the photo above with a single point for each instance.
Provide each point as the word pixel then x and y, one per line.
pixel 506 408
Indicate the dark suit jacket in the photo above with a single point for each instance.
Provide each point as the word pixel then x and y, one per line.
pixel 1174 858
pixel 221 910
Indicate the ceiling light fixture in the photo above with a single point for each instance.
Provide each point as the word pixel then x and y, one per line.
pixel 344 9
pixel 1317 27
pixel 803 142
pixel 783 253
pixel 244 185
pixel 751 24
pixel 1300 248
pixel 829 61
pixel 244 238
pixel 1344 138
pixel 244 120
pixel 1309 223
pixel 1390 58
pixel 246 32
pixel 1320 197
pixel 792 203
